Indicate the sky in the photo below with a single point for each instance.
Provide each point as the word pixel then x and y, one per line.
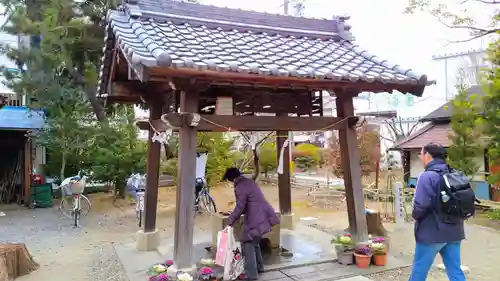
pixel 382 28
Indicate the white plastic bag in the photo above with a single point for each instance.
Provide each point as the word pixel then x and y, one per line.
pixel 234 264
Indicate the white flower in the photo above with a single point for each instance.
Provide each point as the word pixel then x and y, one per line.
pixel 184 277
pixel 160 268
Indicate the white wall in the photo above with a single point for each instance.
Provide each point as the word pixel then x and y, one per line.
pixel 417 167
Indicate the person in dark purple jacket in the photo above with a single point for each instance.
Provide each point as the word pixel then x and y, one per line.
pixel 259 218
pixel 432 235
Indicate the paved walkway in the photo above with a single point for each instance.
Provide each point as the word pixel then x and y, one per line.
pixel 327 272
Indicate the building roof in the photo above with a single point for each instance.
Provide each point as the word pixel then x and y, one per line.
pixel 443 113
pixel 436 133
pixel 20 118
pixel 181 35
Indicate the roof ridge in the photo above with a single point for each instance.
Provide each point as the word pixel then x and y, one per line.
pixel 216 16
pixel 418 133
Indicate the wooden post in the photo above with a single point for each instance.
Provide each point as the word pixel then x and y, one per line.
pixel 184 217
pixel 153 170
pixel 284 186
pixel 406 165
pixel 352 171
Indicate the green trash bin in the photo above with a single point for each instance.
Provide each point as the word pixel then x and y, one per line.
pixel 41 196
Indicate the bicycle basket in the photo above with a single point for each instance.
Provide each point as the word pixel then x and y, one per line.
pixel 74 187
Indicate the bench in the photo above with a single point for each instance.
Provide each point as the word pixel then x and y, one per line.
pixel 326 196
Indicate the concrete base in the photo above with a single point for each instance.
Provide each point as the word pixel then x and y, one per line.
pixel 287 222
pixel 147 241
pixel 173 270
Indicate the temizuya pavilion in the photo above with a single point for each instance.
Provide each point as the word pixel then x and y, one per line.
pixel 182 59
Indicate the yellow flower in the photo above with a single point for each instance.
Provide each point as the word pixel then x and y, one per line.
pixel 377 246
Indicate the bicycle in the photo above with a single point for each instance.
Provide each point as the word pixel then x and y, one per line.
pixel 139 207
pixel 136 184
pixel 80 205
pixel 204 201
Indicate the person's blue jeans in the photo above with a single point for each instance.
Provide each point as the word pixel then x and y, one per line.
pixel 425 255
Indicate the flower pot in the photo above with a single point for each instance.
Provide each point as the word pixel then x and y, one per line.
pixel 345 258
pixel 380 260
pixel 339 248
pixel 363 261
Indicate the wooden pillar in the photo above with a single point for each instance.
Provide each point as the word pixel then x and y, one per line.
pixel 153 170
pixel 406 155
pixel 284 186
pixel 352 171
pixel 184 217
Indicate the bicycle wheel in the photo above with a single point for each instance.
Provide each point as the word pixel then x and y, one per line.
pixel 207 203
pixel 66 207
pixel 85 205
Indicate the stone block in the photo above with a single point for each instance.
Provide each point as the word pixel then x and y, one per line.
pixel 147 241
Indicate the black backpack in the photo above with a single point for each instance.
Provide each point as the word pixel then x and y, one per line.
pixel 456 198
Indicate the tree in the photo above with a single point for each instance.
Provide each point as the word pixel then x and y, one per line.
pixel 68 132
pixel 268 157
pixel 457 18
pixel 490 104
pixel 367 142
pixel 71 35
pixel 466 145
pixel 118 152
pixel 306 156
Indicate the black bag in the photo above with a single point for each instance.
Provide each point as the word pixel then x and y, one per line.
pixel 456 197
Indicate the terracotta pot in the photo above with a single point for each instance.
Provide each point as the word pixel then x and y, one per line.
pixel 363 261
pixel 380 260
pixel 345 258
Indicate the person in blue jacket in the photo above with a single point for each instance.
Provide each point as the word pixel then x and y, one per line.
pixel 432 235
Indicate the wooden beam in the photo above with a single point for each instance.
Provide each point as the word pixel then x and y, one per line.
pixel 153 170
pixel 284 82
pixel 221 123
pixel 352 173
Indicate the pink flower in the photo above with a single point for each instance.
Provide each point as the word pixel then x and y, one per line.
pixel 347 235
pixel 169 262
pixel 379 240
pixel 206 271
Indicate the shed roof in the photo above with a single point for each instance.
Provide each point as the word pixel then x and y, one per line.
pixel 444 111
pixel 20 118
pixel 181 35
pixel 436 133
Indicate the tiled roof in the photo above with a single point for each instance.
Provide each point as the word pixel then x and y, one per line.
pixel 436 133
pixel 444 111
pixel 177 34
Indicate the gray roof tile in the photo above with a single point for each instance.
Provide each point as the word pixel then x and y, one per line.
pixel 183 35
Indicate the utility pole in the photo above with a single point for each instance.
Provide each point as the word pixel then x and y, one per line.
pixel 286 4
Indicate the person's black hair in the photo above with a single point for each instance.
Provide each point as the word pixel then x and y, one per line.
pixel 436 151
pixel 231 174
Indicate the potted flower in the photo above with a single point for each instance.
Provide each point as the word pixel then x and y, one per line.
pixel 379 251
pixel 161 277
pixel 184 277
pixel 206 274
pixel 363 256
pixel 344 248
